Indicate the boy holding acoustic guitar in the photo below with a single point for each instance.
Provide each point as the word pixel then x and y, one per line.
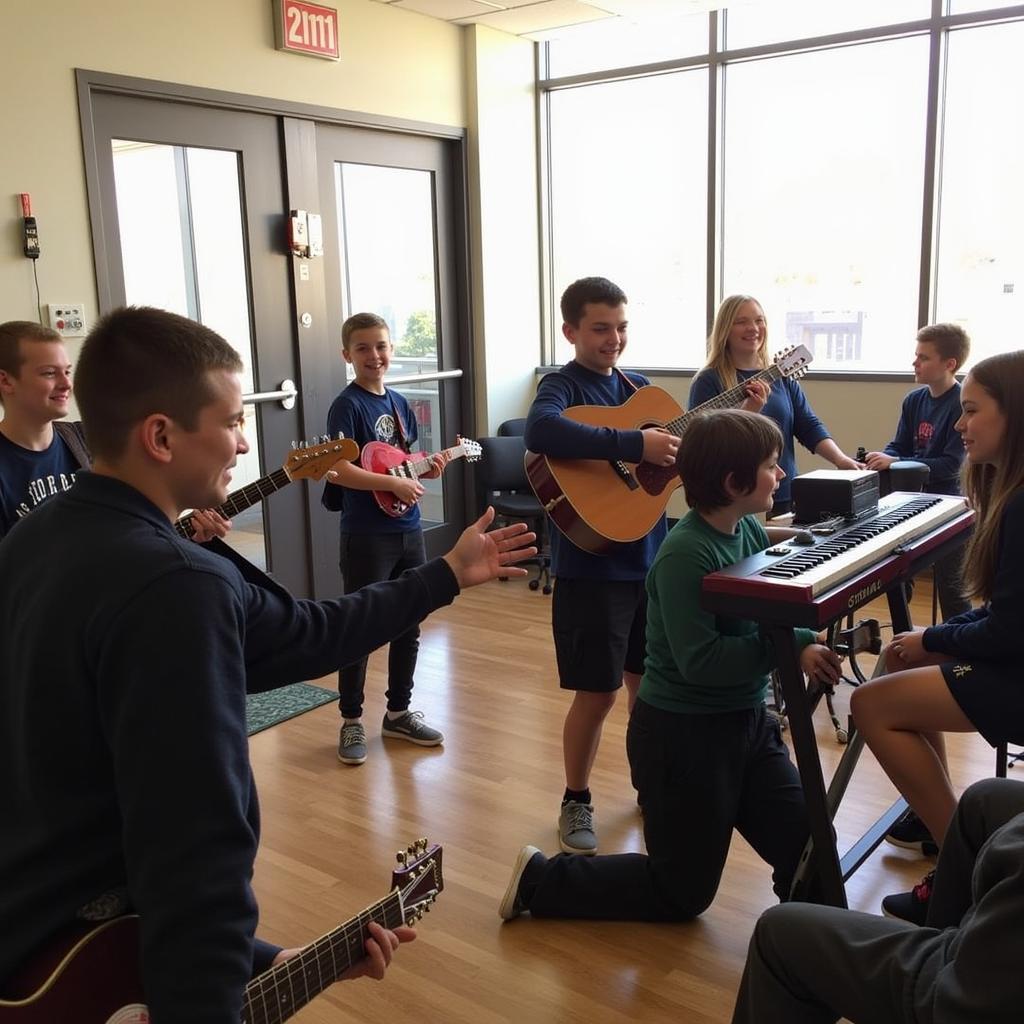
pixel 376 544
pixel 599 607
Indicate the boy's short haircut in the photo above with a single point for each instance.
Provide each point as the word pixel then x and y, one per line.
pixel 138 361
pixel 719 443
pixel 12 333
pixel 951 341
pixel 359 322
pixel 589 289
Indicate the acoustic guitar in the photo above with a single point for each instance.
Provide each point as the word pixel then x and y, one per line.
pixel 597 503
pixel 304 463
pixel 378 457
pixel 92 976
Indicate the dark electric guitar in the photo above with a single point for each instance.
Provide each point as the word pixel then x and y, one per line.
pixel 92 977
pixel 310 463
pixel 378 457
pixel 596 503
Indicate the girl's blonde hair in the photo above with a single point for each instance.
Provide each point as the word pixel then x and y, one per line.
pixel 719 359
pixel 989 487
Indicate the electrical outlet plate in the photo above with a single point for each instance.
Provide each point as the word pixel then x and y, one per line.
pixel 68 319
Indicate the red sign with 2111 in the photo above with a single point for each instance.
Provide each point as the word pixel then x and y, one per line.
pixel 307 28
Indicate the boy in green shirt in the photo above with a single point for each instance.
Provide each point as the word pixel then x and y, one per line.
pixel 704 754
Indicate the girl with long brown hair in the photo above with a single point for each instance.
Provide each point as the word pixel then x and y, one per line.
pixel 963 675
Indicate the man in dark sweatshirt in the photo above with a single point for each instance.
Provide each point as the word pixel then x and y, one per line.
pixel 125 657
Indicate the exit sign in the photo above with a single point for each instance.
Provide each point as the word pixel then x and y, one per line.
pixel 306 28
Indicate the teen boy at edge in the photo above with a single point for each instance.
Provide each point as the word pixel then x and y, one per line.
pixel 374 546
pixel 122 722
pixel 925 434
pixel 705 755
pixel 598 611
pixel 39 454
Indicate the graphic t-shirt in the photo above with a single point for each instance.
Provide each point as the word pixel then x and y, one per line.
pixel 29 478
pixel 363 416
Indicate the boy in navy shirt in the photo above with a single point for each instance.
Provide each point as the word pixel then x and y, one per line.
pixel 925 434
pixel 375 546
pixel 598 612
pixel 37 461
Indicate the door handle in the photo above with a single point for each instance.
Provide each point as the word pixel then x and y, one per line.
pixel 285 395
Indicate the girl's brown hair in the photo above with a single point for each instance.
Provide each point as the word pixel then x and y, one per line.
pixel 990 487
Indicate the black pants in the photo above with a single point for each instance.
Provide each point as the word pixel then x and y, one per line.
pixel 372 558
pixel 812 965
pixel 698 777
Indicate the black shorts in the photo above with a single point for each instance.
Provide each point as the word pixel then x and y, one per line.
pixel 991 696
pixel 599 628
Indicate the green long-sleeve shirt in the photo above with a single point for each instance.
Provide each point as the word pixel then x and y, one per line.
pixel 699 662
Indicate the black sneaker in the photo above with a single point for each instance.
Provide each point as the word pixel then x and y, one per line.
pixel 512 903
pixel 911 833
pixel 911 906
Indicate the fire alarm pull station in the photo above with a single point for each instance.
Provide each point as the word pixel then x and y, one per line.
pixel 30 233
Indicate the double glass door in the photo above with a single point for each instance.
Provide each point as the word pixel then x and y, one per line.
pixel 190 212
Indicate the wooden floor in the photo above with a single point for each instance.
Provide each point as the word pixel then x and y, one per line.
pixel 486 677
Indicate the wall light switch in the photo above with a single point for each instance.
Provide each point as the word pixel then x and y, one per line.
pixel 68 319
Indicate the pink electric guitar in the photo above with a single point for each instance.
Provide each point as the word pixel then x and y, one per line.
pixel 378 457
pixel 91 975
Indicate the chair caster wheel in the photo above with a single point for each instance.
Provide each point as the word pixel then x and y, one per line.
pixel 842 737
pixel 547 590
pixel 534 584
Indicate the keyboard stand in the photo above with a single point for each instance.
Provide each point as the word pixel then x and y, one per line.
pixel 821 874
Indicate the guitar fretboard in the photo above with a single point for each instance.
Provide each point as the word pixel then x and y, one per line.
pixel 283 990
pixel 419 463
pixel 240 500
pixel 726 400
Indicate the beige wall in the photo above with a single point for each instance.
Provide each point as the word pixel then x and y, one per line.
pixel 502 133
pixel 394 64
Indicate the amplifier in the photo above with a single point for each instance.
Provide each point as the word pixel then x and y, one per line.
pixel 826 493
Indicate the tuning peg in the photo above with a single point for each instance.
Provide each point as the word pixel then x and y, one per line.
pixel 402 856
pixel 421 845
pixel 295 444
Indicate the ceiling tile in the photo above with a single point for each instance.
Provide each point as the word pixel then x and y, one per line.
pixel 449 10
pixel 537 17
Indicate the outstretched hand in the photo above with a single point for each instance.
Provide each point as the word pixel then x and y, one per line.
pixel 479 556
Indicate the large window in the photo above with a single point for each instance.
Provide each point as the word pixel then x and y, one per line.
pixel 980 267
pixel 864 171
pixel 629 184
pixel 822 198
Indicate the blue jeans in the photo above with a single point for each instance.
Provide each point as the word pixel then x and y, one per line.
pixel 373 558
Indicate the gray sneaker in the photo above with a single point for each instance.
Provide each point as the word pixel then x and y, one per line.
pixel 411 727
pixel 352 743
pixel 576 828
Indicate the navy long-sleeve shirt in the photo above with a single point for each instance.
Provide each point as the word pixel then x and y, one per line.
pixel 787 405
pixel 548 432
pixel 925 434
pixel 991 633
pixel 125 655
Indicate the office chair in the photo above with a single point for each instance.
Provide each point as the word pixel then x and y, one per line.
pixel 512 428
pixel 501 477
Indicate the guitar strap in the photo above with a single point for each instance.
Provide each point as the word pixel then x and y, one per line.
pixel 625 380
pixel 399 425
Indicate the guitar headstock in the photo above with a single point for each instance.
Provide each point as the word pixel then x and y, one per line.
pixel 418 880
pixel 793 361
pixel 311 462
pixel 471 450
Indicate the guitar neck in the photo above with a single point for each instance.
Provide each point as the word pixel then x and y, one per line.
pixel 420 463
pixel 726 400
pixel 240 500
pixel 277 994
